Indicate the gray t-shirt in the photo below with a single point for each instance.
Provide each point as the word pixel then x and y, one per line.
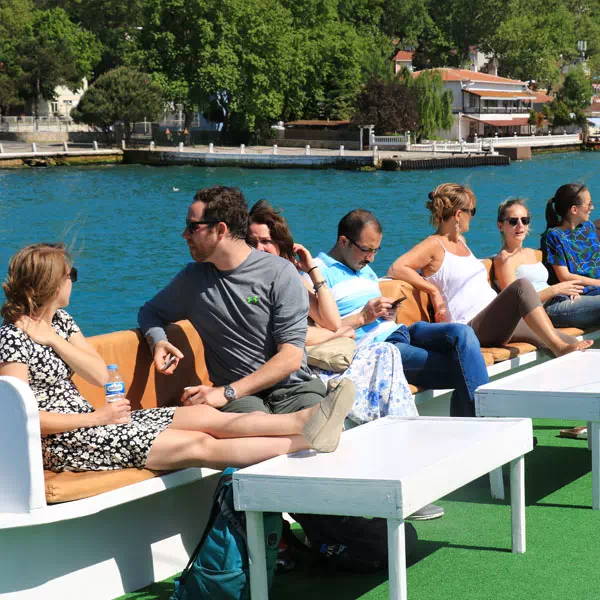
pixel 241 315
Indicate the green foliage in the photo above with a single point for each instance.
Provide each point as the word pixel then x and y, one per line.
pixel 434 105
pixel 532 117
pixel 577 90
pixel 122 94
pixel 388 105
pixel 560 114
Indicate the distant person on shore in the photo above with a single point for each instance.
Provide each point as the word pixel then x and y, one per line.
pixel 563 301
pixel 41 345
pixel 434 356
pixel 376 369
pixel 457 282
pixel 571 251
pixel 250 309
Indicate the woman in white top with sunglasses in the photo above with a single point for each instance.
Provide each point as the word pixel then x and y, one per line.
pixel 515 261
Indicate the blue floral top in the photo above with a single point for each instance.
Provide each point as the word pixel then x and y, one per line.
pixel 577 249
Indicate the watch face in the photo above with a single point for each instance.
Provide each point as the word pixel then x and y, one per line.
pixel 229 392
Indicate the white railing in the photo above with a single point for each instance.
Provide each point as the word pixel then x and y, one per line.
pixel 534 140
pixel 28 123
pixel 390 140
pixel 453 147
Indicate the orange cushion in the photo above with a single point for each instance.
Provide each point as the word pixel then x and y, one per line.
pixel 414 308
pixel 67 486
pixel 571 331
pixel 509 351
pixel 145 388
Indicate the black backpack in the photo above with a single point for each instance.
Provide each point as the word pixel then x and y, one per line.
pixel 354 544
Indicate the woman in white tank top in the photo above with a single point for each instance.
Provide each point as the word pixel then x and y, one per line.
pixel 564 302
pixel 457 283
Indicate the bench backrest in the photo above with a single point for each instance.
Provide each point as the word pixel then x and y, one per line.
pixel 145 387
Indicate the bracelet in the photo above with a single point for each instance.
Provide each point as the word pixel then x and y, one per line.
pixel 319 285
pixel 312 269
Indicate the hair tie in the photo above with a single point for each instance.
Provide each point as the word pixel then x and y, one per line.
pixel 431 196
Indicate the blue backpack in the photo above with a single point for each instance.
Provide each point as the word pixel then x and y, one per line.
pixel 218 567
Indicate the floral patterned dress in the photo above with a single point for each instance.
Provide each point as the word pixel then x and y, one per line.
pixel 104 447
pixel 381 386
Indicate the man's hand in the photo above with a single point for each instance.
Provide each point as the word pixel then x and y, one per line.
pixel 377 308
pixel 113 413
pixel 204 394
pixel 38 330
pixel 166 355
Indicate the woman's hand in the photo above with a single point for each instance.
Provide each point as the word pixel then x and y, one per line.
pixel 439 308
pixel 204 394
pixel 346 331
pixel 305 261
pixel 573 289
pixel 38 330
pixel 113 413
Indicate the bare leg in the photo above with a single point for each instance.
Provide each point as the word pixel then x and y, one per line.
pixel 539 322
pixel 232 425
pixel 178 449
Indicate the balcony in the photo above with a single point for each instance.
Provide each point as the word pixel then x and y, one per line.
pixel 499 110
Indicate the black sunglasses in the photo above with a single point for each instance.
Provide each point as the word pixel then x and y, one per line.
pixel 191 226
pixel 512 221
pixel 363 249
pixel 471 210
pixel 72 274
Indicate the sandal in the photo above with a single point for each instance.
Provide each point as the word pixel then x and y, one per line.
pixel 576 433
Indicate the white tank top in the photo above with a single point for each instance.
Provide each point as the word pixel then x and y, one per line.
pixel 536 273
pixel 463 283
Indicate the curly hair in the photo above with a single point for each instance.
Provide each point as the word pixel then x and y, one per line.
pixel 447 199
pixel 225 205
pixel 263 213
pixel 35 274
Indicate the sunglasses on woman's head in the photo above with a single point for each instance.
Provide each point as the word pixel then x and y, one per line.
pixel 512 221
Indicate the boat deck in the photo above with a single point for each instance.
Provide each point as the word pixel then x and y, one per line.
pixel 467 554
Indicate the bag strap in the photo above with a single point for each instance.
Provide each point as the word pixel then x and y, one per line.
pixel 217 507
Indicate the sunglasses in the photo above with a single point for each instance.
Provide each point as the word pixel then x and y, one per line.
pixel 363 249
pixel 512 221
pixel 72 274
pixel 191 226
pixel 471 210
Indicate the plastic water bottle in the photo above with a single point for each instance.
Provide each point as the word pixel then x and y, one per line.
pixel 114 388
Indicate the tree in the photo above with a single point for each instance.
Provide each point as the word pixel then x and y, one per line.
pixel 389 105
pixel 56 53
pixel 433 103
pixel 577 90
pixel 122 94
pixel 560 115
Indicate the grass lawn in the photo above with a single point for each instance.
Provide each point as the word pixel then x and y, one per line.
pixel 466 555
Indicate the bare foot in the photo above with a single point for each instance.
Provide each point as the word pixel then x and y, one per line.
pixel 582 345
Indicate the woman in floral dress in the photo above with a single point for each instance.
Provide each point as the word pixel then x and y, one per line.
pixel 41 345
pixel 376 369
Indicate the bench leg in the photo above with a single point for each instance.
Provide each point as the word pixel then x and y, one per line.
pixel 517 503
pixel 497 484
pixel 594 438
pixel 259 587
pixel 396 559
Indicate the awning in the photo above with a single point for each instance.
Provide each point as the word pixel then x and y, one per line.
pixel 595 121
pixel 494 95
pixel 502 122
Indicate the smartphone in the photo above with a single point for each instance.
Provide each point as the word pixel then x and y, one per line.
pixel 399 301
pixel 168 363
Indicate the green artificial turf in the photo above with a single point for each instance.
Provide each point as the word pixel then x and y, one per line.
pixel 466 555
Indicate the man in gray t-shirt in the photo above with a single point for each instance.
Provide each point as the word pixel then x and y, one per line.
pixel 250 309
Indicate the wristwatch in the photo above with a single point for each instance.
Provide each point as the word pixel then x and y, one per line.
pixel 230 393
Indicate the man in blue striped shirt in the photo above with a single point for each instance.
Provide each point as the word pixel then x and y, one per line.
pixel 434 355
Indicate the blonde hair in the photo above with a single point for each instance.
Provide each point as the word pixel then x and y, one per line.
pixel 503 206
pixel 448 198
pixel 35 274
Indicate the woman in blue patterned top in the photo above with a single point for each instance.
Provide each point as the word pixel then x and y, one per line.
pixel 572 252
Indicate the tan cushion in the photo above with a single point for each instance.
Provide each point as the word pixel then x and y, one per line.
pixel 146 389
pixel 509 351
pixel 414 308
pixel 571 331
pixel 488 358
pixel 66 486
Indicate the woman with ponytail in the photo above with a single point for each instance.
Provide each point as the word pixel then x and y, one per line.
pixel 457 282
pixel 41 345
pixel 572 253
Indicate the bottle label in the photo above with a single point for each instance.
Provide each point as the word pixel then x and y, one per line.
pixel 114 388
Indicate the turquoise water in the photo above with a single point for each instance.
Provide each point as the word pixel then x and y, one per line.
pixel 125 222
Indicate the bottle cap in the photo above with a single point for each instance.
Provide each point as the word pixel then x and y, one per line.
pixel 112 367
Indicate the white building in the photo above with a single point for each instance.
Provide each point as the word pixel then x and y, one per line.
pixel 65 101
pixel 485 104
pixel 402 58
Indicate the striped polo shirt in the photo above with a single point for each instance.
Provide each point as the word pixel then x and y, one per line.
pixel 351 291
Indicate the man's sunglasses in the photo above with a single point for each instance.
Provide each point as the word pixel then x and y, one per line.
pixel 72 274
pixel 512 221
pixel 191 226
pixel 363 249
